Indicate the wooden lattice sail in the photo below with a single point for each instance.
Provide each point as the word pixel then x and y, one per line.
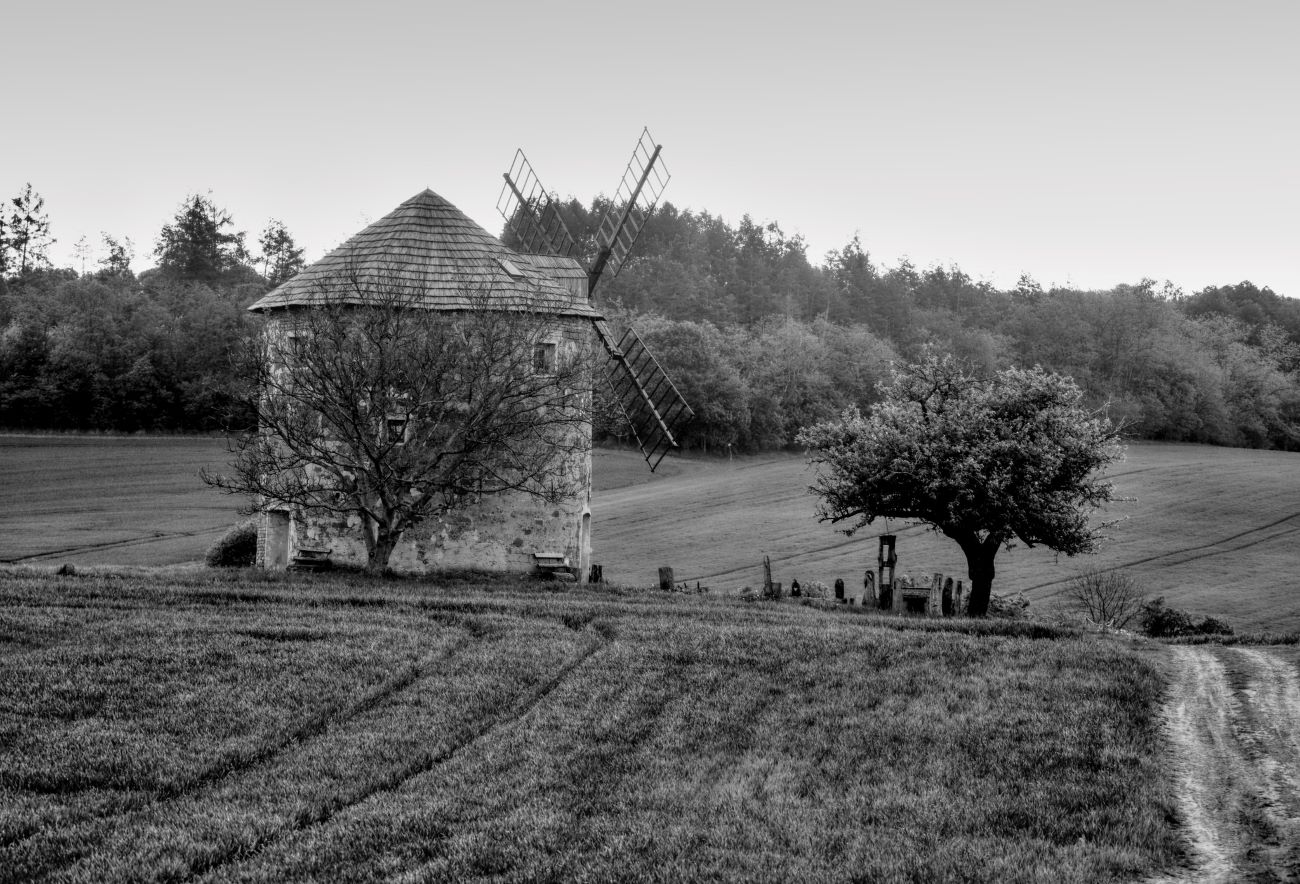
pixel 654 409
pixel 645 396
pixel 531 213
pixel 638 193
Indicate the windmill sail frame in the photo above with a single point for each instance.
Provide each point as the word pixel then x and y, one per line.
pixel 634 201
pixel 648 400
pixel 645 395
pixel 531 213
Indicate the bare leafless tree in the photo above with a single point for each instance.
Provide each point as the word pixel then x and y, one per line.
pixel 371 404
pixel 1107 598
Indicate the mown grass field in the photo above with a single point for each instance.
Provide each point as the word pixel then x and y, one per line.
pixel 1214 530
pixel 200 726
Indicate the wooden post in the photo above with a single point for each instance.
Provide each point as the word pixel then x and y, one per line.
pixel 666 578
pixel 887 561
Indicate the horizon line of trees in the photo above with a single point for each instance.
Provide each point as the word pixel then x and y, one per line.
pixel 760 340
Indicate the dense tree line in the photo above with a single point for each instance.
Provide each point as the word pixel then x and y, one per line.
pixel 107 349
pixel 1220 366
pixel 760 339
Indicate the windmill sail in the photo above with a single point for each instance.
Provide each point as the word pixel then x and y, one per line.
pixel 645 396
pixel 635 199
pixel 653 408
pixel 532 216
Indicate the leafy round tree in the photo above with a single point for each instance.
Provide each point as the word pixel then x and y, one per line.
pixel 983 461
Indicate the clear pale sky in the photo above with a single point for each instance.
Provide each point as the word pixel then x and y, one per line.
pixel 1085 143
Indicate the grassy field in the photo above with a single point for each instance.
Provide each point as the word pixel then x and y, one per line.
pixel 110 500
pixel 199 726
pixel 1214 530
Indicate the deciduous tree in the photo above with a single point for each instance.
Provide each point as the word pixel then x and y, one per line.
pixel 983 461
pixel 117 260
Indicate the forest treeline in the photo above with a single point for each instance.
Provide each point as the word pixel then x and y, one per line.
pixel 759 338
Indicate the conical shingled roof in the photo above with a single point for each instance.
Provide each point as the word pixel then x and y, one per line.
pixel 432 251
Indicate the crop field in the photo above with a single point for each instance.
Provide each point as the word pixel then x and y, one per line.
pixel 110 500
pixel 1214 530
pixel 194 726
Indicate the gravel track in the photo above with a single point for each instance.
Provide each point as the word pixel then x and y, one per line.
pixel 1237 763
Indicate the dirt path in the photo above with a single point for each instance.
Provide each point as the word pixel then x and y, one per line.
pixel 1233 716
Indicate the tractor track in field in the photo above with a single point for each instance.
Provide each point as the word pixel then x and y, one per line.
pixel 112 544
pixel 1237 764
pixel 135 800
pixel 418 766
pixel 1200 551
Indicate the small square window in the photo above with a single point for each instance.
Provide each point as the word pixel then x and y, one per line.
pixel 396 425
pixel 544 358
pixel 512 270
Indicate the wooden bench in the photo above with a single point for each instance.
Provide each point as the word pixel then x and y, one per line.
pixel 307 558
pixel 552 563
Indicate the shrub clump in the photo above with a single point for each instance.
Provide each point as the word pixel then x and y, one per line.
pixel 1158 620
pixel 236 549
pixel 1109 599
pixel 1008 607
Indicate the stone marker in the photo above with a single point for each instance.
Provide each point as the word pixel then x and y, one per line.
pixel 839 589
pixel 666 578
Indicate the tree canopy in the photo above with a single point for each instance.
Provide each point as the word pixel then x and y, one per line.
pixel 984 461
pixel 787 341
pixel 197 246
pixel 25 234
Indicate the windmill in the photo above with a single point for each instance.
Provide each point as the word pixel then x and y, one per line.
pixel 647 399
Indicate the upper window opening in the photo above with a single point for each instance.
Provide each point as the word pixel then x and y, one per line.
pixel 397 426
pixel 544 358
pixel 512 270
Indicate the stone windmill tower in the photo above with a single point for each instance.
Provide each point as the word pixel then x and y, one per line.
pixel 638 386
pixel 435 254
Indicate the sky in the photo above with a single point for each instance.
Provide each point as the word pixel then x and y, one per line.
pixel 1083 143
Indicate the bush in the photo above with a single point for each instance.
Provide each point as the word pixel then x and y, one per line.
pixel 236 549
pixel 1160 621
pixel 1107 598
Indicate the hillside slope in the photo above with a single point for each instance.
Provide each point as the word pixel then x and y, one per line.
pixel 1214 530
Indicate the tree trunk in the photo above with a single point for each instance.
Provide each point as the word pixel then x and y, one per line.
pixel 380 542
pixel 377 555
pixel 979 567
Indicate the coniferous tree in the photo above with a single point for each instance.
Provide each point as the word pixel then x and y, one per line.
pixel 197 246
pixel 281 256
pixel 27 240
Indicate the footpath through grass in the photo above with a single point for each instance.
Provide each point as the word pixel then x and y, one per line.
pixel 199 727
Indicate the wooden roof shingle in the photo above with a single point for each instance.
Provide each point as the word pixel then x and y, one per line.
pixel 429 250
